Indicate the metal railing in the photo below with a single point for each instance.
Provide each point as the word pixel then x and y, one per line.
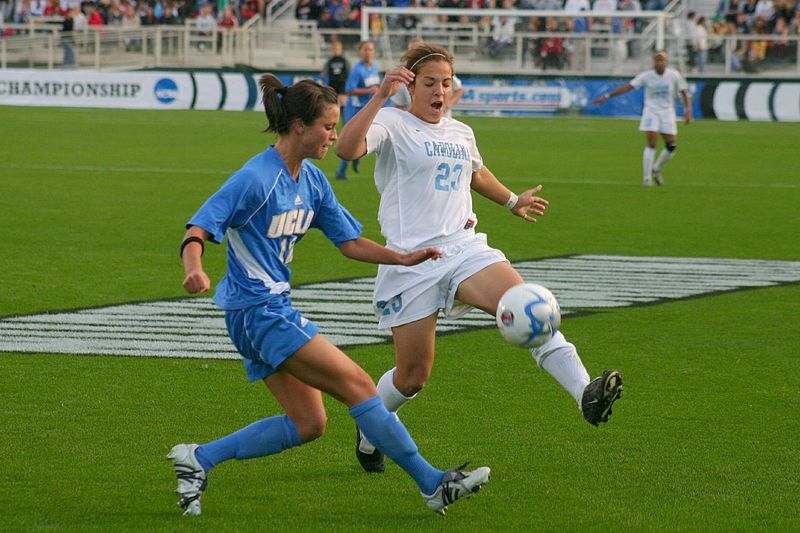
pixel 305 47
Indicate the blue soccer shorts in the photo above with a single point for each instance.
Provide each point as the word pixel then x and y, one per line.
pixel 267 334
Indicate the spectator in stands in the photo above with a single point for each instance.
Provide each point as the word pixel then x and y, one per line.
pixel 779 47
pixel 502 34
pixel 549 5
pixel 247 10
pixel 22 11
pixel 93 17
pixel 794 25
pixel 226 23
pixel 532 43
pixel 701 44
pixel 335 72
pixel 428 20
pixel 553 53
pixel 37 8
pixel 574 6
pixel 52 9
pixel 362 83
pixel 205 23
pixel 228 20
pixel 148 16
pixel 604 5
pixel 690 36
pixel 749 9
pixel 764 9
pixel 67 29
pixel 307 10
pixel 731 10
pixel 716 42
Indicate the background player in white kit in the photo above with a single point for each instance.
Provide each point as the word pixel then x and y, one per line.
pixel 661 85
pixel 264 209
pixel 427 165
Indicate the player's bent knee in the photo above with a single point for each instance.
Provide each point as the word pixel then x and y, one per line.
pixel 311 428
pixel 411 382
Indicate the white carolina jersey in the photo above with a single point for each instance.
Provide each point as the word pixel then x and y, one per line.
pixel 659 90
pixel 423 173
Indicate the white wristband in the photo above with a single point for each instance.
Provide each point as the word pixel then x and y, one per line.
pixel 512 201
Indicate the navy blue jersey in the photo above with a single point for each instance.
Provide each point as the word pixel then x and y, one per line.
pixel 264 212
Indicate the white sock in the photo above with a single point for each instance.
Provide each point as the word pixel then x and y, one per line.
pixel 561 360
pixel 392 398
pixel 663 157
pixel 647 162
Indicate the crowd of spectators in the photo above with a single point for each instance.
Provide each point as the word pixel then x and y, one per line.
pixel 776 18
pixel 771 21
pixel 133 13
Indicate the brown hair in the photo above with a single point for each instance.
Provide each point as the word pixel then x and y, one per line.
pixel 305 100
pixel 423 53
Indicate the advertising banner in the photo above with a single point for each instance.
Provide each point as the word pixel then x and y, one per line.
pixel 128 90
pixel 777 100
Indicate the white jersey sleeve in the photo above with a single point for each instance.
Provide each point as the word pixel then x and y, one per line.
pixel 423 173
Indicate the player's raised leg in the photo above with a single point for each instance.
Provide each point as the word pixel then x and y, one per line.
pixel 557 357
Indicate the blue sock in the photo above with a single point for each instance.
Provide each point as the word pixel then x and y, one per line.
pixel 390 436
pixel 265 437
pixel 342 170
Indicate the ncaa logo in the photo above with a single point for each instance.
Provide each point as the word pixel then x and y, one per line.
pixel 166 91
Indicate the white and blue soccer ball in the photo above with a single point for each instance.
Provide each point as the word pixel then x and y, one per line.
pixel 528 315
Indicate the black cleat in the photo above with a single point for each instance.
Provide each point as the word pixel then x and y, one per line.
pixel 371 462
pixel 600 395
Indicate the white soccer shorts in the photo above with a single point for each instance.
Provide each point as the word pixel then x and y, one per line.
pixel 405 294
pixel 659 121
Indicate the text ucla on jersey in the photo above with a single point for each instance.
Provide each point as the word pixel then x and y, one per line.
pixel 264 213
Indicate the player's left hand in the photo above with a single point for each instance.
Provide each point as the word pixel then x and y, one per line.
pixel 529 204
pixel 688 116
pixel 418 256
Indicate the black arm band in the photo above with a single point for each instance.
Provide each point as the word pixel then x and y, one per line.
pixel 198 240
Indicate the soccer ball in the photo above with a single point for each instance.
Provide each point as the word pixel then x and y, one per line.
pixel 528 315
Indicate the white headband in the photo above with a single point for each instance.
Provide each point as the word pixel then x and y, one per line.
pixel 426 57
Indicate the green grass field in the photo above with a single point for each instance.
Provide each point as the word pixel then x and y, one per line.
pixel 93 202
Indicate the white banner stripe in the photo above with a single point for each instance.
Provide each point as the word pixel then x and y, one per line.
pixel 195 327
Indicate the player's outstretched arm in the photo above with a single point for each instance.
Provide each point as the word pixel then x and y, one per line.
pixel 352 142
pixel 363 249
pixel 195 279
pixel 485 183
pixel 616 92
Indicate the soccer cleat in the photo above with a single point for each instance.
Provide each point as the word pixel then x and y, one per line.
pixel 658 177
pixel 456 484
pixel 191 478
pixel 600 395
pixel 647 182
pixel 341 176
pixel 370 457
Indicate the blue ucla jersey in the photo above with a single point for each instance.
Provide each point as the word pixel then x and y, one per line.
pixel 264 213
pixel 361 77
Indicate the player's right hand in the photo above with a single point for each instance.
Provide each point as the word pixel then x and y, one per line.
pixel 392 81
pixel 418 256
pixel 196 281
